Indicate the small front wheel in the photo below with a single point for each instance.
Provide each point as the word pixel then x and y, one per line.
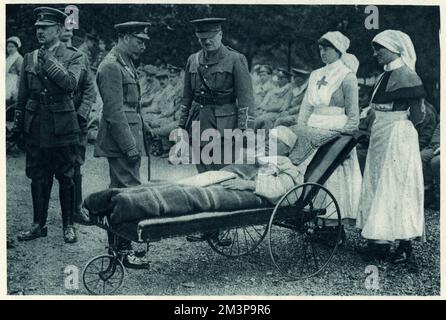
pixel 103 275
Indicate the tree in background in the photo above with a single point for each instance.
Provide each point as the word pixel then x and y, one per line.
pixel 281 35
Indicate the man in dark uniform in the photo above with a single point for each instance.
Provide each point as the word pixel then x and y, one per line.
pixel 120 137
pixel 88 45
pixel 84 98
pixel 46 121
pixel 217 87
pixel 218 84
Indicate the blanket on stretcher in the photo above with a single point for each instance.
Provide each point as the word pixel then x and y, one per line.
pixel 167 199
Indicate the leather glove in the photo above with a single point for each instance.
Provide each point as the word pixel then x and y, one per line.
pixel 18 138
pixel 132 156
pixel 43 55
pixel 83 123
pixel 184 115
pixel 21 141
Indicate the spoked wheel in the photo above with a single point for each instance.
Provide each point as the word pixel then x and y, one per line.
pixel 303 236
pixel 103 275
pixel 237 242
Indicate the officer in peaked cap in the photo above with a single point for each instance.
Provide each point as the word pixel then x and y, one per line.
pixel 217 82
pixel 207 27
pixel 46 16
pixel 47 122
pixel 137 29
pixel 120 137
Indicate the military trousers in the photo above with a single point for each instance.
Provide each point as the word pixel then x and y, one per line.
pixel 44 163
pixel 122 175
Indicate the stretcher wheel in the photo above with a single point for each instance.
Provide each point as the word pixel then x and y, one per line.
pixel 302 241
pixel 237 242
pixel 103 274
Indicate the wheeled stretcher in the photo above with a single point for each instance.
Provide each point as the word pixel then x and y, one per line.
pixel 298 243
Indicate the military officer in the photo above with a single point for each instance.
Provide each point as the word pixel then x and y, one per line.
pixel 217 82
pixel 46 121
pixel 84 98
pixel 120 137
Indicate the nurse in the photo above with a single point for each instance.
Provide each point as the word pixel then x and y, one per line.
pixel 392 191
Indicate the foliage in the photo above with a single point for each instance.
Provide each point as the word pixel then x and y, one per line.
pixel 282 35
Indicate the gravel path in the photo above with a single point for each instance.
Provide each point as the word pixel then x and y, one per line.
pixel 182 268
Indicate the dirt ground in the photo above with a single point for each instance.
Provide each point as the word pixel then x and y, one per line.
pixel 179 267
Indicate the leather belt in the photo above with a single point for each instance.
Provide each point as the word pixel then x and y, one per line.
pixel 216 101
pixel 45 97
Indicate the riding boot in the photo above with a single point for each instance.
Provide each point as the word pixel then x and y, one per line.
pixel 47 195
pixel 80 214
pixel 38 228
pixel 67 198
pixel 382 251
pixel 403 252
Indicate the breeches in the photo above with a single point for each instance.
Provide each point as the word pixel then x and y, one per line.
pixel 44 163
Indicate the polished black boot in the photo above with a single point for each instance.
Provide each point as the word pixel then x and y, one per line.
pixel 403 253
pixel 382 251
pixel 81 215
pixel 374 251
pixel 67 198
pixel 40 212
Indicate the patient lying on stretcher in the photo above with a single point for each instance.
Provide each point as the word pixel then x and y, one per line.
pixel 243 187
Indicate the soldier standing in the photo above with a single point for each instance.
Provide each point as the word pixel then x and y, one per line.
pixel 120 137
pixel 218 83
pixel 46 122
pixel 84 97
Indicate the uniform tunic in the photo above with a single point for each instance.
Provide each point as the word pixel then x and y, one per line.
pixel 227 74
pixel 121 126
pixel 230 106
pixel 46 114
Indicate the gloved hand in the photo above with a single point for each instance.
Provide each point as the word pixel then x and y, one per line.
pixel 132 156
pixel 83 123
pixel 19 139
pixel 184 115
pixel 43 55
